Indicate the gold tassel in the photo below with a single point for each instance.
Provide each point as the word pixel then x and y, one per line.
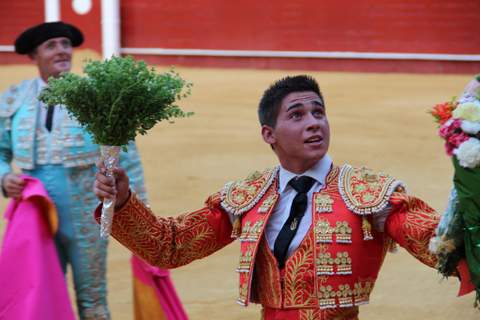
pixel 236 228
pixel 367 229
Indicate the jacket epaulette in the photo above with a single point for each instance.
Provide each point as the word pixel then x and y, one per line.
pixel 238 197
pixel 364 191
pixel 11 100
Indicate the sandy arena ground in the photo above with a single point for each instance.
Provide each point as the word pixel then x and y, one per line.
pixel 376 119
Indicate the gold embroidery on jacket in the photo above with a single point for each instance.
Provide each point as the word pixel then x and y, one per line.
pixel 299 290
pixel 308 314
pixel 245 230
pixel 242 299
pixel 365 192
pixel 343 232
pixel 267 204
pixel 251 233
pixel 323 203
pixel 172 243
pixel 239 197
pixel 333 314
pixel 362 292
pixel 323 231
pixel 245 260
pixel 267 289
pixel 420 224
pixel 346 296
pixel 343 263
pixel 327 265
pixel 326 297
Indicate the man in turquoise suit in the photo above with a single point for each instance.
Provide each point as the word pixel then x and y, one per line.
pixel 46 143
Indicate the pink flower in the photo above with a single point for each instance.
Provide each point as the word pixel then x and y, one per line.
pixel 449 149
pixel 457 139
pixel 454 139
pixel 452 132
pixel 449 128
pixel 443 131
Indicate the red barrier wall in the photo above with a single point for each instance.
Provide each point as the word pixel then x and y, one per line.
pixel 89 23
pixel 422 26
pixel 398 26
pixel 18 15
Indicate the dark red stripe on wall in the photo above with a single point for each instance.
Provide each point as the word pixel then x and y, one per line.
pixel 357 65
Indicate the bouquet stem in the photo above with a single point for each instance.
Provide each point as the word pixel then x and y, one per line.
pixel 109 156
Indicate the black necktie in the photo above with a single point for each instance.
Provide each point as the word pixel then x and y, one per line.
pixel 299 205
pixel 49 120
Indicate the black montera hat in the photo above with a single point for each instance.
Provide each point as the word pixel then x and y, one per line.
pixel 34 36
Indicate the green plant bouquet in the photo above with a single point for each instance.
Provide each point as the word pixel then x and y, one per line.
pixel 458 233
pixel 117 99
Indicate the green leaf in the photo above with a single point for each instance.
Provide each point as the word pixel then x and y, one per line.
pixel 118 98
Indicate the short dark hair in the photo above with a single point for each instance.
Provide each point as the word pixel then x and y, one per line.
pixel 272 97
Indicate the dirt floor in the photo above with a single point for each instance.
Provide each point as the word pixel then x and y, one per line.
pixel 379 120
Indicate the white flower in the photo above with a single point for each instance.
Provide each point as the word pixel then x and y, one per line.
pixel 468 111
pixel 434 244
pixel 470 127
pixel 468 153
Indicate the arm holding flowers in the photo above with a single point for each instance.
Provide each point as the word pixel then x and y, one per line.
pixel 117 99
pixel 164 242
pixel 112 187
pixel 130 161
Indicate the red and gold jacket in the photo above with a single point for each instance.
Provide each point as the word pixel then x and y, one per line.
pixel 333 270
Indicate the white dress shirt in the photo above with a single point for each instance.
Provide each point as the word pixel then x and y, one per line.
pixel 287 193
pixel 47 143
pixel 58 112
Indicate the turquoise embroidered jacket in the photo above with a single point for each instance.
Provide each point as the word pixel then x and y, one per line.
pixel 18 113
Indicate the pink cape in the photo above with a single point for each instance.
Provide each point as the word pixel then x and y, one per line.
pixel 31 280
pixel 154 294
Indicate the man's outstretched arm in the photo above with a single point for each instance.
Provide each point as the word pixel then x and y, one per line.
pixel 412 224
pixel 164 242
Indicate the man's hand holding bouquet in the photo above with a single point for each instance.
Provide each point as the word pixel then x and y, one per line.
pixel 117 99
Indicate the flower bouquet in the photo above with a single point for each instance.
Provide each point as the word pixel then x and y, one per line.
pixel 458 233
pixel 117 99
